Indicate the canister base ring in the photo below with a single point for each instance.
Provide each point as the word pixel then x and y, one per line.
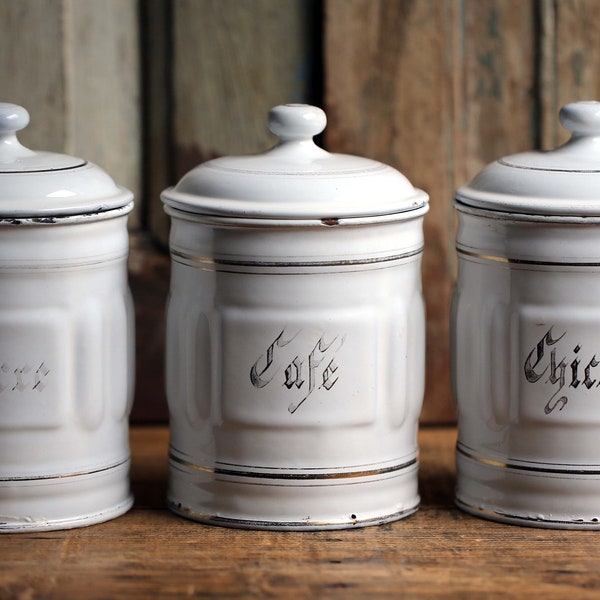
pixel 288 525
pixel 508 519
pixel 71 523
pixel 47 504
pixel 551 499
pixel 295 505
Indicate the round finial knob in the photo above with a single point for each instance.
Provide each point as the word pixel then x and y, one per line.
pixel 581 118
pixel 296 122
pixel 13 118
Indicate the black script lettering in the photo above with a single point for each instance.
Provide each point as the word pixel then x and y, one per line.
pixel 310 368
pixel 18 379
pixel 315 358
pixel 256 373
pixel 588 382
pixel 559 369
pixel 530 368
pixel 550 406
pixel 293 374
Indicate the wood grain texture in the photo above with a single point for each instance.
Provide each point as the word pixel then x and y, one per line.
pixel 437 89
pixel 231 61
pixel 437 553
pixel 570 61
pixel 389 96
pixel 33 71
pixel 101 51
pixel 159 163
pixel 149 275
pixel 498 75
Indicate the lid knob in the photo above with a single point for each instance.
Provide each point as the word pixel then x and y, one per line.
pixel 581 118
pixel 296 122
pixel 13 118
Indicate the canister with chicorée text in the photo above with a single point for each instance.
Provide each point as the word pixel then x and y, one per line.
pixel 66 344
pixel 526 334
pixel 295 336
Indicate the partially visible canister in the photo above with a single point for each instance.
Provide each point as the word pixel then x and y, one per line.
pixel 295 336
pixel 526 334
pixel 66 338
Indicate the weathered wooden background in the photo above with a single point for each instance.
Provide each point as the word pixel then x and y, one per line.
pixel 436 88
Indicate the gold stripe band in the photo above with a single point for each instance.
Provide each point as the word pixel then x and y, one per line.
pixel 325 263
pixel 67 476
pixel 292 476
pixel 519 261
pixel 528 468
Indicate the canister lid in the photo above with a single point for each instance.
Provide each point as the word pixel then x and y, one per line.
pixel 42 184
pixel 565 181
pixel 295 180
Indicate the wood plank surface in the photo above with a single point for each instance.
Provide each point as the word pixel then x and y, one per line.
pixel 437 553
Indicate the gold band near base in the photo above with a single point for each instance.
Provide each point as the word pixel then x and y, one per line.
pixel 27 478
pixel 300 476
pixel 592 470
pixel 214 263
pixel 519 261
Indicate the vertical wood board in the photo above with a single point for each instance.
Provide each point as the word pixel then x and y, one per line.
pixel 33 71
pixel 102 56
pixel 389 96
pixel 233 60
pixel 158 160
pixel 437 89
pixel 498 75
pixel 570 57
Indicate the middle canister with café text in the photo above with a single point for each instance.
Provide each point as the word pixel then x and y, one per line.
pixel 295 350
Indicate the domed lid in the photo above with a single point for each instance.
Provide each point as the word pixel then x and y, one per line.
pixel 565 181
pixel 42 184
pixel 295 180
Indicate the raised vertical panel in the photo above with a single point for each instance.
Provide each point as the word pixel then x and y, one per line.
pixel 90 380
pixel 117 365
pixel 101 51
pixel 390 96
pixel 570 60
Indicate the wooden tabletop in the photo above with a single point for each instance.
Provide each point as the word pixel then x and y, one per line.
pixel 438 552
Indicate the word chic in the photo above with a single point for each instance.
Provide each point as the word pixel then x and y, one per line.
pixel 549 363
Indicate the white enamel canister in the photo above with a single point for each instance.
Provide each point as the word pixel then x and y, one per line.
pixel 66 354
pixel 526 334
pixel 295 336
